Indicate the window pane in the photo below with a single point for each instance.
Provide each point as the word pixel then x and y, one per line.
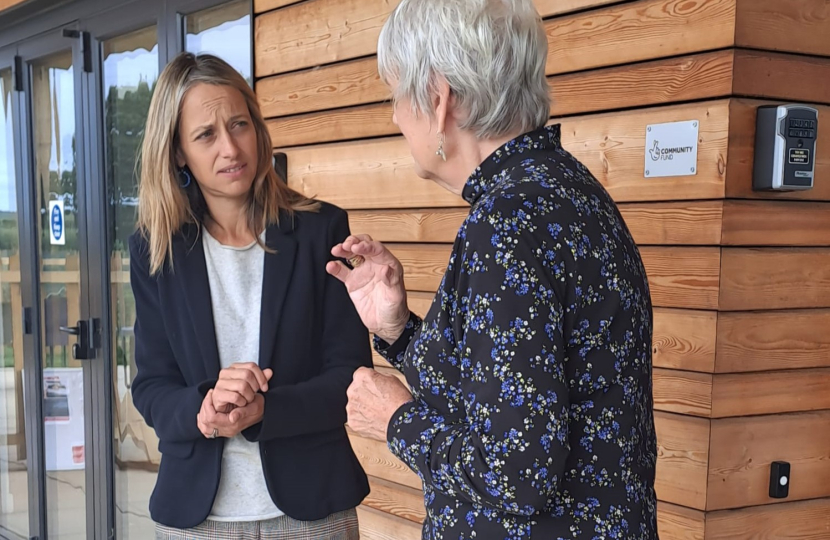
pixel 130 74
pixel 224 31
pixel 14 490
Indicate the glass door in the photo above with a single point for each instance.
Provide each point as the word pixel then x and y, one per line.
pixel 62 335
pixel 14 462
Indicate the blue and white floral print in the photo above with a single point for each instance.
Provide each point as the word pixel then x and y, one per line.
pixel 532 370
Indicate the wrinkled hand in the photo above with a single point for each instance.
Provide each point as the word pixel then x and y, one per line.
pixel 238 385
pixel 376 286
pixel 373 399
pixel 232 423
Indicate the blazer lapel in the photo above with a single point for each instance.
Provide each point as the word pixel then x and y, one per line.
pixel 275 281
pixel 189 264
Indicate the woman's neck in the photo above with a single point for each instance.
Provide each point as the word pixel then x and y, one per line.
pixel 227 222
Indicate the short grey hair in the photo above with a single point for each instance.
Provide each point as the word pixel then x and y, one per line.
pixel 492 53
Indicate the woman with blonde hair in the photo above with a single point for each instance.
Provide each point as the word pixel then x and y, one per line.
pixel 528 412
pixel 245 346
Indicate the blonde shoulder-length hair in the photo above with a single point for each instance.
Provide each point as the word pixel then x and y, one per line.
pixel 164 206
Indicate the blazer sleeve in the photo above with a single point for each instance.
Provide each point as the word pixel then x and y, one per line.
pixel 159 391
pixel 319 404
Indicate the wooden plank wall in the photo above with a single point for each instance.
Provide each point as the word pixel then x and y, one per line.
pixel 740 280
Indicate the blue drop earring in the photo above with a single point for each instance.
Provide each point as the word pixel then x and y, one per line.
pixel 185 177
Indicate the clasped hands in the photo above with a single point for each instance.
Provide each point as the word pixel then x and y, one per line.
pixel 236 402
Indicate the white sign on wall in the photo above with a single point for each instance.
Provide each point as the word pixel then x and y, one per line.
pixel 671 149
pixel 57 223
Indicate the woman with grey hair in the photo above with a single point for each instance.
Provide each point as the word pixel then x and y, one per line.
pixel 529 407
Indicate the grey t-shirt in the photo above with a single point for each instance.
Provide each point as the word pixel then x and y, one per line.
pixel 235 276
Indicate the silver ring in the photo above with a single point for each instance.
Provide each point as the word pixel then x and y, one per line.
pixel 214 434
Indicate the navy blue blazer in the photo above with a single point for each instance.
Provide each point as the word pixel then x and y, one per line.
pixel 310 335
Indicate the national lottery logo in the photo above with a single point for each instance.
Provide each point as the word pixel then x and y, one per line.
pixel 667 154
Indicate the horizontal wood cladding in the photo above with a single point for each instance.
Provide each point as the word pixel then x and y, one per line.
pixel 379 173
pixel 772 340
pixel 678 277
pixel 325 31
pixel 801 520
pixel 776 223
pixel 791 77
pixel 379 525
pixel 799 26
pixel 742 449
pixel 774 278
pixel 741 153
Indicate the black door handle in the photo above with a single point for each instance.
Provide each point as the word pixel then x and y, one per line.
pixel 84 349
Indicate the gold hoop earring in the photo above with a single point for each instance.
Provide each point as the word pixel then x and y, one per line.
pixel 440 151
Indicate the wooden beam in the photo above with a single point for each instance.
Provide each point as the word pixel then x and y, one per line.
pixel 329 87
pixel 317 32
pixel 741 153
pixel 330 126
pixel 379 174
pixel 638 31
pixel 770 392
pixel 378 461
pixel 682 277
pixel 769 75
pixel 776 223
pixel 261 6
pixel 548 8
pixel 684 339
pixel 799 26
pixel 682 392
pixel 679 523
pixel 682 459
pixel 772 340
pixel 376 525
pixel 774 278
pixel 659 82
pixel 742 449
pixel 802 520
pixel 402 501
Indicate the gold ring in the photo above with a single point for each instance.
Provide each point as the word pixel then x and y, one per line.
pixel 356 261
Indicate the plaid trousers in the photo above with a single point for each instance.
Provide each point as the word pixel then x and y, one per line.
pixel 337 526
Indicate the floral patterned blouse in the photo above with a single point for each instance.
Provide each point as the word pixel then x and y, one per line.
pixel 532 370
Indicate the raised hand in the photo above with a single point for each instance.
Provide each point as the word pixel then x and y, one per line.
pixel 375 284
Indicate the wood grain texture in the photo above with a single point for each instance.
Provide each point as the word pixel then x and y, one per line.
pixel 396 499
pixel 612 147
pixel 776 223
pixel 378 461
pixel 741 154
pixel 379 173
pixel 682 277
pixel 803 520
pixel 329 87
pixel 329 126
pixel 774 278
pixel 682 459
pixel 684 339
pixel 679 523
pixel 686 223
pixel 547 8
pixel 660 82
pixel 742 449
pixel 261 6
pixel 317 32
pixel 771 75
pixel 799 26
pixel 638 31
pixel 771 392
pixel 772 340
pixel 438 225
pixel 682 392
pixel 377 525
pixel 372 174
